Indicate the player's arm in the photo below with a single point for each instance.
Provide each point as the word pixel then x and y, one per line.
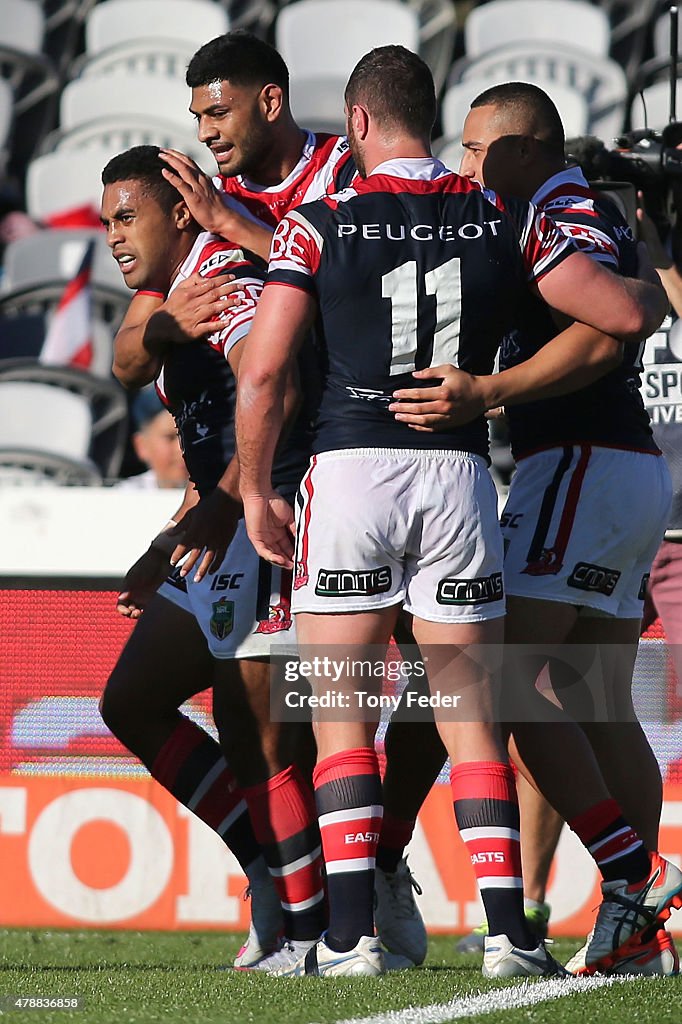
pixel 153 323
pixel 211 208
pixel 572 360
pixel 284 315
pixel 629 309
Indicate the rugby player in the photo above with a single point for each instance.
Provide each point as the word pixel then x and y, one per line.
pixel 219 631
pixel 399 270
pixel 585 514
pixel 267 162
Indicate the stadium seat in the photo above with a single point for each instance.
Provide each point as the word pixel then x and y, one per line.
pixel 191 22
pixel 114 134
pixel 579 24
pixel 30 73
pixel 52 256
pixel 37 269
pixel 65 180
pixel 107 309
pixel 599 80
pixel 168 57
pixel 93 115
pixel 457 101
pixel 62 414
pixel 321 42
pixel 326 38
pixel 87 99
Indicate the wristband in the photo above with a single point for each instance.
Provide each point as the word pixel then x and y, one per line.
pixel 162 542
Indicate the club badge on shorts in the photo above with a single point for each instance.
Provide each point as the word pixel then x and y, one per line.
pixel 222 619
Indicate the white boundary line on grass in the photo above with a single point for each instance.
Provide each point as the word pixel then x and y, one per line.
pixel 528 993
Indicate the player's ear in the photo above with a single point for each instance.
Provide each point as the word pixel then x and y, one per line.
pixel 359 118
pixel 271 101
pixel 181 215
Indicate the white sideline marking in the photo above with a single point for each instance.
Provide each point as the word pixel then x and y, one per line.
pixel 527 993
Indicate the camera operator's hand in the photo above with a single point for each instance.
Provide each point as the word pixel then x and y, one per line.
pixel 648 233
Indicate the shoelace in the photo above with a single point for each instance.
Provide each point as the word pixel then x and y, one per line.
pixel 401 895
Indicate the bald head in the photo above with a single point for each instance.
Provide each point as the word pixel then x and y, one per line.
pixel 513 139
pixel 525 109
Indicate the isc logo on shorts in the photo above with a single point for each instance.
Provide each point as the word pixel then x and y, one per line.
pixel 353 582
pixel 482 590
pixel 596 578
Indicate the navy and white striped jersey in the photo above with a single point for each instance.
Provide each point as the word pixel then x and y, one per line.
pixel 610 411
pixel 412 267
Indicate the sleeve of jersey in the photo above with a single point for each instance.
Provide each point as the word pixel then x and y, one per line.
pixel 295 253
pixel 236 321
pixel 543 245
pixel 591 234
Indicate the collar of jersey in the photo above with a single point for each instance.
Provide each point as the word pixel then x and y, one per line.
pixel 569 176
pixel 426 168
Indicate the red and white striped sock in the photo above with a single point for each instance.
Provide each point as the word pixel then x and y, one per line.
pixel 284 821
pixel 348 798
pixel 614 845
pixel 487 814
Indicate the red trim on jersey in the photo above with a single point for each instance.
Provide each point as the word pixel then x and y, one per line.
pixel 451 182
pixel 149 291
pixel 571 503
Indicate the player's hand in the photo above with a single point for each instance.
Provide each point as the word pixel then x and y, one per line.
pixel 142 581
pixel 271 529
pixel 453 402
pixel 203 199
pixel 195 306
pixel 207 531
pixel 648 234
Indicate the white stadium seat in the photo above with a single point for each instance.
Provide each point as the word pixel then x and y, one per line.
pixel 457 100
pixel 191 22
pixel 576 23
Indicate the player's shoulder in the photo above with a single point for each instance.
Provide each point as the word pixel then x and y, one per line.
pixel 212 255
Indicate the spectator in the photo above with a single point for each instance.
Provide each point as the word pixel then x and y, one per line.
pixel 156 445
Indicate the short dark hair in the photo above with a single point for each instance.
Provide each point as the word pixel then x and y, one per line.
pixel 531 103
pixel 142 163
pixel 397 88
pixel 238 57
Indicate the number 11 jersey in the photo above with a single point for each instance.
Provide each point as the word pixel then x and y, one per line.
pixel 412 267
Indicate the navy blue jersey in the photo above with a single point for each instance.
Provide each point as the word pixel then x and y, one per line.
pixel 413 267
pixel 610 411
pixel 198 386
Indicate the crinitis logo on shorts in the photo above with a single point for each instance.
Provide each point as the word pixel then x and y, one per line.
pixel 353 582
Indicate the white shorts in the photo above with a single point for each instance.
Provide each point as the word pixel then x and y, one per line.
pixel 582 525
pixel 383 526
pixel 243 609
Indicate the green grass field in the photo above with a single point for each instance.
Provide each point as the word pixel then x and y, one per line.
pixel 140 977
